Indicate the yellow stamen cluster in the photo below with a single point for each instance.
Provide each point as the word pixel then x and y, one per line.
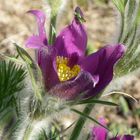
pixel 64 71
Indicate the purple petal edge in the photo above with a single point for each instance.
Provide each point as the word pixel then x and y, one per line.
pixel 124 137
pixel 37 41
pixel 102 63
pixel 72 39
pixel 72 89
pixel 45 60
pixel 34 42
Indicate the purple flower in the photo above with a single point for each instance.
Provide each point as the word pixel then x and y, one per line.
pixel 124 137
pixel 67 71
pixel 100 133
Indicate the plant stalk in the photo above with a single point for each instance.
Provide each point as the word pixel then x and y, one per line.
pixel 81 121
pixel 52 35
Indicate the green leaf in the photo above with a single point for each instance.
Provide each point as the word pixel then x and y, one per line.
pixel 42 136
pixel 7 120
pixel 129 17
pixel 138 16
pixel 11 82
pixel 129 36
pixel 88 117
pixel 120 4
pixel 54 133
pixel 80 123
pixel 24 55
pixel 137 111
pixel 94 101
pixel 34 72
pixel 124 105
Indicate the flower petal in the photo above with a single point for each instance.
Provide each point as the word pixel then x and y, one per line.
pixel 125 137
pixel 38 40
pixel 128 137
pixel 99 132
pixel 72 89
pixel 45 61
pixel 73 39
pixel 101 63
pixel 34 42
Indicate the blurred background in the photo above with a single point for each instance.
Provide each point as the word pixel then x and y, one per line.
pixel 102 24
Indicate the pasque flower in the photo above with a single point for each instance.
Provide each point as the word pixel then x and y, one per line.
pixel 67 71
pixel 100 133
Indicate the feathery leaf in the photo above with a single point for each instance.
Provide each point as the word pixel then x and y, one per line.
pixel 11 82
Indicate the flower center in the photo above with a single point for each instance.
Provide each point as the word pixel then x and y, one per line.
pixel 64 71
